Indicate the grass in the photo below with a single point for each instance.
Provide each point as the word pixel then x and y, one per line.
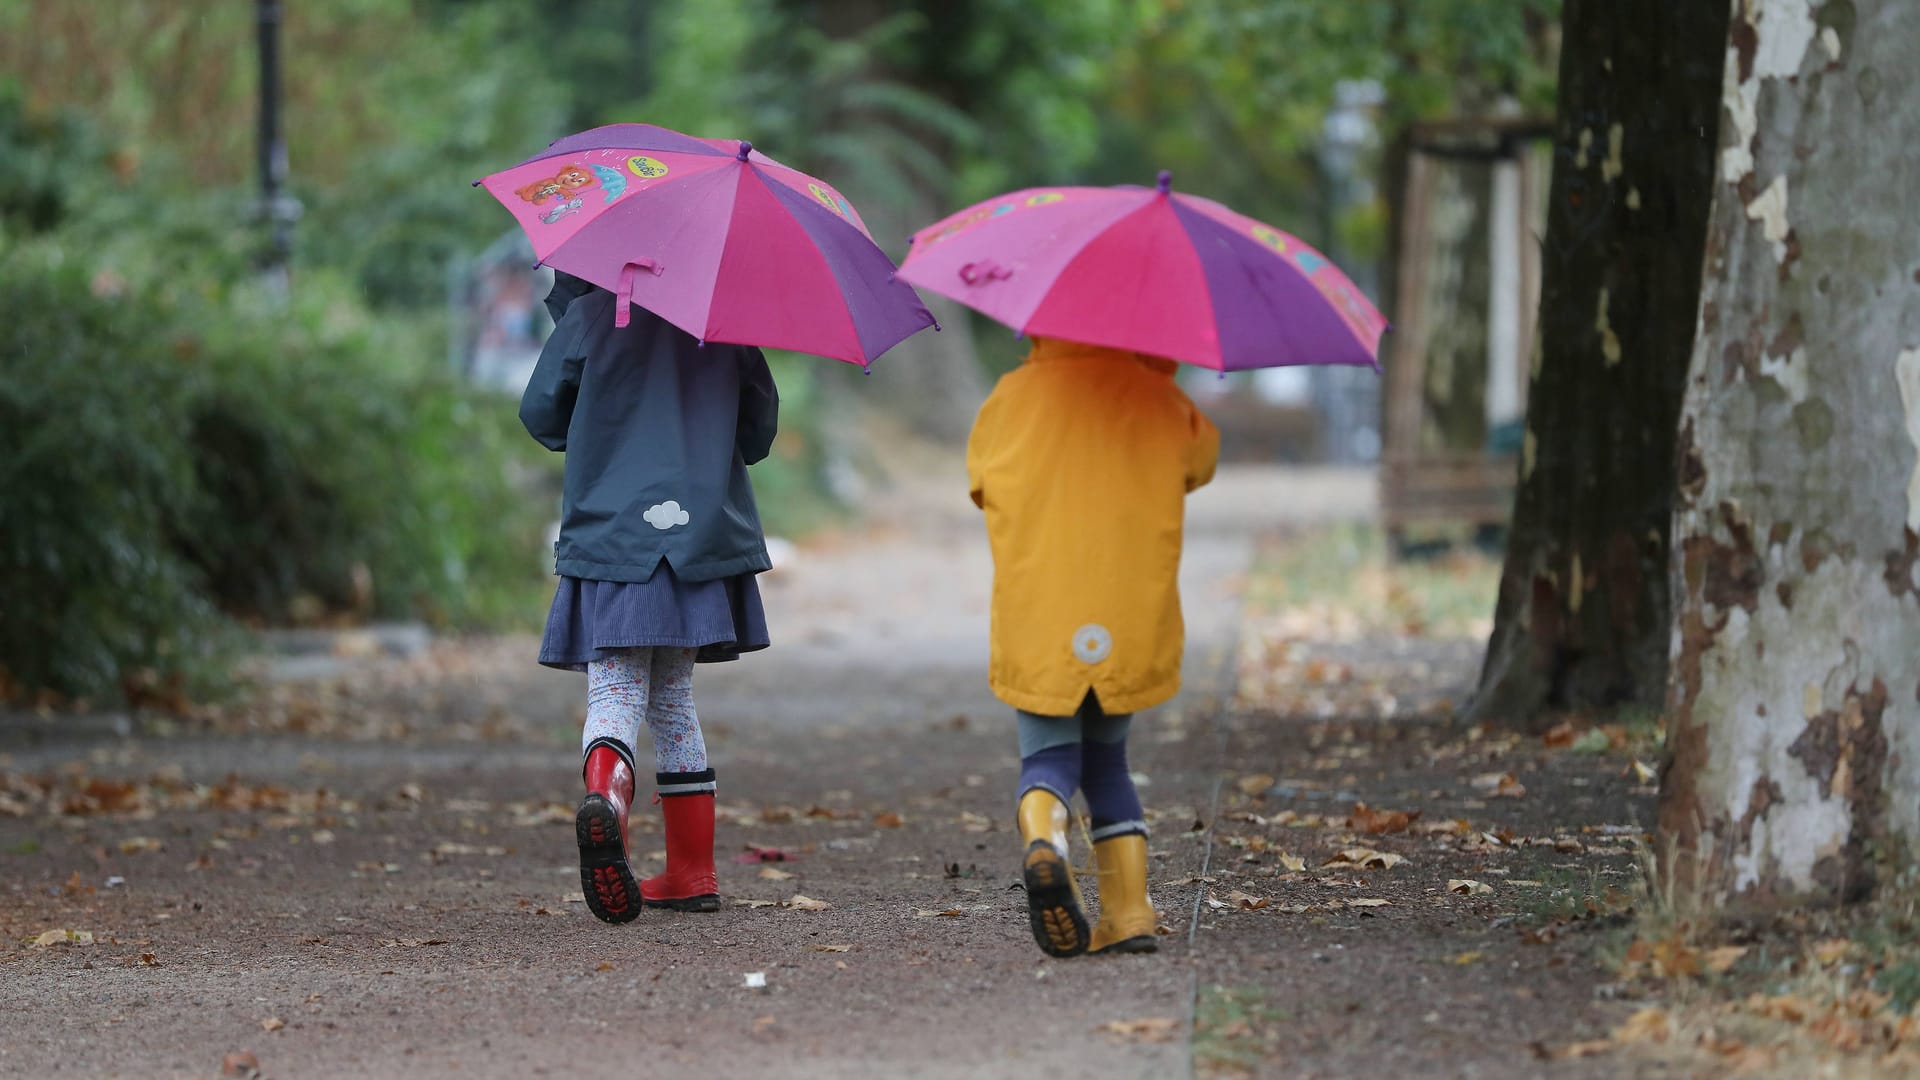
pixel 1232 1031
pixel 1347 569
pixel 1800 992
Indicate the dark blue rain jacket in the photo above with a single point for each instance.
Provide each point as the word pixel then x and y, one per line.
pixel 658 431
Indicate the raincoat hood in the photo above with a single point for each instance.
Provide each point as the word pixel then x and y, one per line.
pixel 1046 349
pixel 566 289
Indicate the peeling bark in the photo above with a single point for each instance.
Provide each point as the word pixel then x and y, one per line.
pixel 1794 774
pixel 1632 186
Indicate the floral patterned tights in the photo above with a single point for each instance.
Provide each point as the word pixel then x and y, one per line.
pixel 654 684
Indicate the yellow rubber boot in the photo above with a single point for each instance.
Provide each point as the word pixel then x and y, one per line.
pixel 1127 920
pixel 1053 900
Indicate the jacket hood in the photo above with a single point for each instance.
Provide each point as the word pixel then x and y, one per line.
pixel 566 289
pixel 1045 349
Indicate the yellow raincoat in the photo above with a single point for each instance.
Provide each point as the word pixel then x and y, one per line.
pixel 1082 459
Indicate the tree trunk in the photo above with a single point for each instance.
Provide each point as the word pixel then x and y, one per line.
pixel 1582 619
pixel 1793 711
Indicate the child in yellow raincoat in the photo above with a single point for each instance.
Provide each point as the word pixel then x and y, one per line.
pixel 1082 459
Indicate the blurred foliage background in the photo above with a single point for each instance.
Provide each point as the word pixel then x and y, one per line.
pixel 180 455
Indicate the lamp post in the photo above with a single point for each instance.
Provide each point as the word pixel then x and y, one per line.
pixel 279 209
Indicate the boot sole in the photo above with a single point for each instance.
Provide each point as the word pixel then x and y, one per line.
pixel 605 878
pixel 1142 944
pixel 1053 907
pixel 709 902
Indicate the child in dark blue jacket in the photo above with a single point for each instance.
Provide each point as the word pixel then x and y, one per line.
pixel 659 544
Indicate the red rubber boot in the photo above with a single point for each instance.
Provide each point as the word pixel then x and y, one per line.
pixel 606 879
pixel 689 882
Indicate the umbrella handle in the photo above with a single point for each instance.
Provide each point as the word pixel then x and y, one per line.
pixel 623 296
pixel 975 273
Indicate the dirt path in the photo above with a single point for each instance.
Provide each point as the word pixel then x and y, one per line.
pixel 389 891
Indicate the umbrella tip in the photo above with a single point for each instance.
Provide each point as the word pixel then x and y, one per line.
pixel 745 149
pixel 866 368
pixel 1165 183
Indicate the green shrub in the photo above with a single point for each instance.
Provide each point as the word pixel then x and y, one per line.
pixel 178 454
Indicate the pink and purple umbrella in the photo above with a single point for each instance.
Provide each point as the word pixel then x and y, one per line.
pixel 1150 271
pixel 714 237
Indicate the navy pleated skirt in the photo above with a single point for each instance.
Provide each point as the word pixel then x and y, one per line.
pixel 721 618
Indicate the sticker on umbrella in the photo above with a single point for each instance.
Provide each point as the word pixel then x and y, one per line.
pixel 964 221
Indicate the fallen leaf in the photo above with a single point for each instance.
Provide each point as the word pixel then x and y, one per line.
pixel 1503 785
pixel 1648 1025
pixel 414 943
pixel 762 1023
pixel 1449 827
pixel 1642 771
pixel 801 902
pixel 1831 950
pixel 1560 734
pixel 929 913
pixel 272 1023
pixel 1369 903
pixel 64 937
pixel 1468 887
pixel 325 836
pixel 1588 1048
pixel 133 845
pixel 1465 958
pixel 1247 901
pixel 1145 1029
pixel 756 903
pixel 603 966
pixel 889 820
pixel 1292 863
pixel 772 873
pixel 1779 1007
pixel 1366 819
pixel 1722 959
pixel 831 948
pixel 1675 958
pixel 146 959
pixel 1254 785
pixel 242 1064
pixel 1365 858
pixel 1595 741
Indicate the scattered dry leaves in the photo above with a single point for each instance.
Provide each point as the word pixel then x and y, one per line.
pixel 1500 785
pixel 1146 1029
pixel 1366 819
pixel 1650 1024
pixel 1468 887
pixel 1365 858
pixel 802 902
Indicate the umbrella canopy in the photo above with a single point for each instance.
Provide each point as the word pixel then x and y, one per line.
pixel 714 237
pixel 1150 271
